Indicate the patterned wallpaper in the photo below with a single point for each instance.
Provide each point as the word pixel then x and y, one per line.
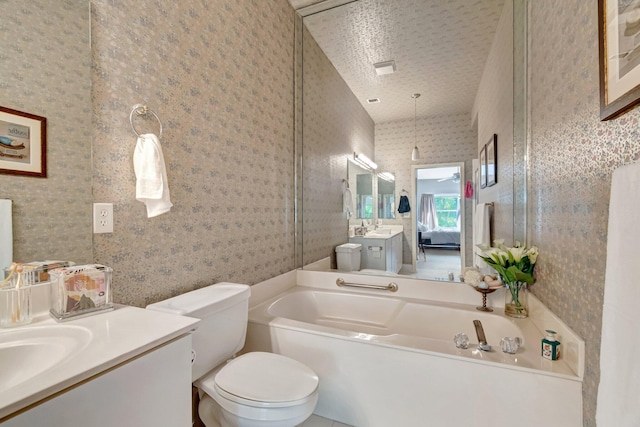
pixel 493 111
pixel 335 126
pixel 573 155
pixel 441 139
pixel 220 76
pixel 46 71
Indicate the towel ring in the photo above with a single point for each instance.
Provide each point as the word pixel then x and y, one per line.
pixel 143 110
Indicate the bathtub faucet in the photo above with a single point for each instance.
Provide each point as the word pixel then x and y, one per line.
pixel 482 340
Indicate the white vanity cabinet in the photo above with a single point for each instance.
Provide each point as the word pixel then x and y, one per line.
pixel 150 390
pixel 380 252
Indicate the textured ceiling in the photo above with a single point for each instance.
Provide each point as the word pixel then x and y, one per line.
pixel 440 48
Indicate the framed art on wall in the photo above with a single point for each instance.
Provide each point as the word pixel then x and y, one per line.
pixel 23 143
pixel 619 48
pixel 483 167
pixel 491 148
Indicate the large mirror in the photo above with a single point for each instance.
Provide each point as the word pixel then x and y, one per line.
pixel 361 62
pixel 46 71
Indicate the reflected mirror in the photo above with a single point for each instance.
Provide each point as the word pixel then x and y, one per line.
pixel 386 195
pixel 362 180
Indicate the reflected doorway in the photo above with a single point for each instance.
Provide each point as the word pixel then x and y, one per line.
pixel 439 221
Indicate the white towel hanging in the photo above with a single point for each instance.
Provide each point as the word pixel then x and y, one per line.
pixel 152 187
pixel 619 386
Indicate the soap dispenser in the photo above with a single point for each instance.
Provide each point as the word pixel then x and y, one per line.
pixel 550 346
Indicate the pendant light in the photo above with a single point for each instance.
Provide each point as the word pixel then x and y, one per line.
pixel 415 154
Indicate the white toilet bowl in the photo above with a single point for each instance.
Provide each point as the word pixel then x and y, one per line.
pixel 253 390
pixel 258 389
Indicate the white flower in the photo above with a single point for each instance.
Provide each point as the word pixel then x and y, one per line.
pixel 517 253
pixel 532 253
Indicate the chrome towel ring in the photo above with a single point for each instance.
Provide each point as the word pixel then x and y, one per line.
pixel 143 110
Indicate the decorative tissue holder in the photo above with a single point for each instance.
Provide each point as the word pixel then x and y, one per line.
pixel 80 290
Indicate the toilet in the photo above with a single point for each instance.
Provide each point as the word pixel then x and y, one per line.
pixel 348 256
pixel 252 390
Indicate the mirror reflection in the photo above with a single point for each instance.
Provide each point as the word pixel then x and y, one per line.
pixel 362 181
pixel 461 74
pixel 386 195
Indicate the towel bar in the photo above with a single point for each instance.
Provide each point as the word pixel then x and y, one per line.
pixel 390 287
pixel 143 110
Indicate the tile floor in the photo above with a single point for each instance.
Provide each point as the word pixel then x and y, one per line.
pixel 316 421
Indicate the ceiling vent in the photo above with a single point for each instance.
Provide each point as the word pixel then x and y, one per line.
pixel 387 67
pixel 373 100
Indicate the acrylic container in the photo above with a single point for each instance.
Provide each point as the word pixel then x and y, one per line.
pixel 80 290
pixel 15 304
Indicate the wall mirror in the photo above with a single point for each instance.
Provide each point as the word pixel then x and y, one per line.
pixel 47 72
pixel 339 43
pixel 386 195
pixel 362 180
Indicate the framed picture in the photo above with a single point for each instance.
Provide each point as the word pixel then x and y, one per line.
pixel 483 167
pixel 619 37
pixel 492 160
pixel 23 143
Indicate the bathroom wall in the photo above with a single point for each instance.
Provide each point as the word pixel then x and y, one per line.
pixel 441 139
pixel 335 126
pixel 219 75
pixel 493 111
pixel 47 72
pixel 572 157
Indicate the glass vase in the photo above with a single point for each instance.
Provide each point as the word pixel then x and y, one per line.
pixel 516 301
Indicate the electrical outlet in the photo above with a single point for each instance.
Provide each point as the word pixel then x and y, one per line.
pixel 103 217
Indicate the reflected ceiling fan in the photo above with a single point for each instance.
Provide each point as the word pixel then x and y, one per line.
pixel 455 178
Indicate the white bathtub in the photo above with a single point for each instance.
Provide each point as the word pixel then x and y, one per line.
pixel 388 360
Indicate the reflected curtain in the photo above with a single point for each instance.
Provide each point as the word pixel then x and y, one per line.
pixel 428 211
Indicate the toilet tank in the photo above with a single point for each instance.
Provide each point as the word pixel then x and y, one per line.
pixel 223 309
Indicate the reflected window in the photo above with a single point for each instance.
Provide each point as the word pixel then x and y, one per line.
pixel 448 210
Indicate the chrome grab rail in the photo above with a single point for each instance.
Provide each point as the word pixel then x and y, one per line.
pixel 390 287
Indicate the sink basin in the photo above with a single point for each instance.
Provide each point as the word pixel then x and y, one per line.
pixel 382 231
pixel 29 351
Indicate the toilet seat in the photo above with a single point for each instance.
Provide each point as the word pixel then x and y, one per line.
pixel 262 380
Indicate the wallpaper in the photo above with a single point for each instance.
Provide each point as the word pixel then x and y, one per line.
pixel 493 111
pixel 47 72
pixel 573 155
pixel 440 139
pixel 335 126
pixel 219 75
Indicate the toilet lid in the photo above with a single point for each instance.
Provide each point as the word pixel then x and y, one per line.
pixel 267 377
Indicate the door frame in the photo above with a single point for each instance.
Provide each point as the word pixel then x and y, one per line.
pixel 414 195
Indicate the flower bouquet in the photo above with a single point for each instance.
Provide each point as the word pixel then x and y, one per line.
pixel 515 267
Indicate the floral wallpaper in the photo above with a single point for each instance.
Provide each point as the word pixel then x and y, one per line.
pixel 572 157
pixel 335 126
pixel 47 72
pixel 219 75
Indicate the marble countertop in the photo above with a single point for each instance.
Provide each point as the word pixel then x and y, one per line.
pixel 109 339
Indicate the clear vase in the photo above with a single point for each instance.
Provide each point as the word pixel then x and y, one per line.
pixel 516 301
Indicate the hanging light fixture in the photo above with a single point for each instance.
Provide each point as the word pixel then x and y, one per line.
pixel 415 154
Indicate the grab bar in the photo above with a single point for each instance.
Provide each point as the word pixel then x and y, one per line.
pixel 390 287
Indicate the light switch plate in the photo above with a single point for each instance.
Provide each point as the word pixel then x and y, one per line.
pixel 102 218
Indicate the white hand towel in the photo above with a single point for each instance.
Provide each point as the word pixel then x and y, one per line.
pixel 619 363
pixel 152 187
pixel 481 231
pixel 347 203
pixel 6 235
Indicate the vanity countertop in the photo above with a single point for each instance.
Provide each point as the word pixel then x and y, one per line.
pixel 107 340
pixel 373 235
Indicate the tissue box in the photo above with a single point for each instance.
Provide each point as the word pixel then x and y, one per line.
pixel 80 290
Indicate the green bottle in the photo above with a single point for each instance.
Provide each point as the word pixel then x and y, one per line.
pixel 550 346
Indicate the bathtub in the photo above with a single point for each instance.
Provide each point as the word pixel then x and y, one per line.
pixel 386 360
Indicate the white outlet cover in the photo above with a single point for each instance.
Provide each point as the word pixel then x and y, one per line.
pixel 103 218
